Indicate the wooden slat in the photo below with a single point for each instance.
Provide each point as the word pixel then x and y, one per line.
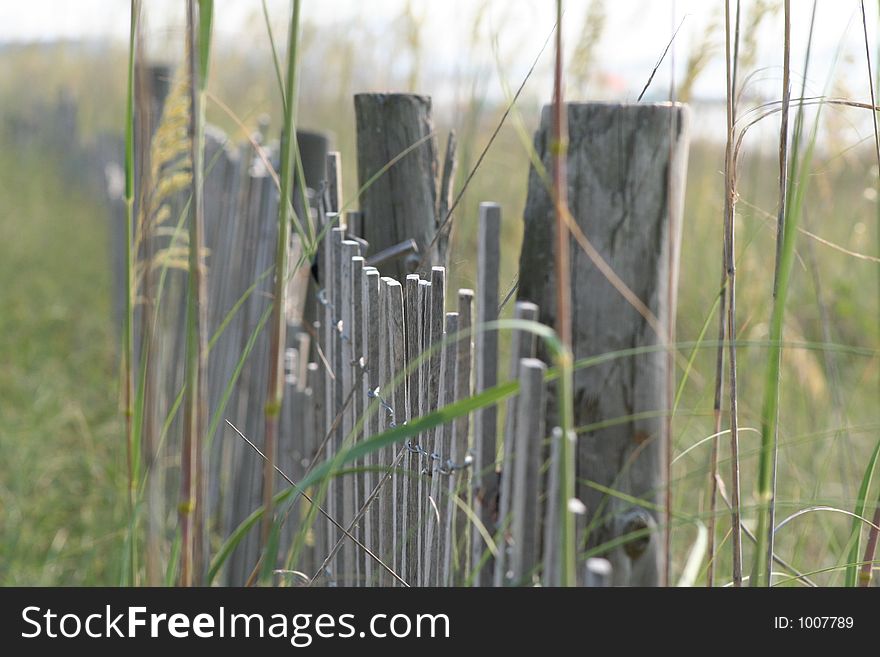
pixel 456 559
pixel 551 575
pixel 522 345
pixel 424 405
pixel 396 396
pixel 443 474
pixel 350 251
pixel 372 335
pixel 526 467
pixel 435 378
pixel 411 460
pixel 333 285
pixel 486 375
pixel 358 401
pixel 386 495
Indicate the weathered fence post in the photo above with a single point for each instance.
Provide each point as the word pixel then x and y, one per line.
pixel 626 176
pixel 401 203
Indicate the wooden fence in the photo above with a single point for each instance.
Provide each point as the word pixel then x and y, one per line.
pixel 472 501
pixel 395 352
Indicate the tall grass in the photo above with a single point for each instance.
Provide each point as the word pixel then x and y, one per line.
pixel 791 204
pixel 866 569
pixel 193 471
pixel 730 327
pixel 559 148
pixel 132 449
pixel 786 236
pixel 279 319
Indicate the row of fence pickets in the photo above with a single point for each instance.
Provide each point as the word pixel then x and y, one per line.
pixel 425 508
pixel 386 354
pixel 390 354
pixel 436 510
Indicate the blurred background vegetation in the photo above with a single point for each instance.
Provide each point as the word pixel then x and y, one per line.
pixel 62 473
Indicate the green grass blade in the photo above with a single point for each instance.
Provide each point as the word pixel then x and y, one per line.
pixel 851 578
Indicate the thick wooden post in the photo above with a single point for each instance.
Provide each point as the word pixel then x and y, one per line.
pixel 402 202
pixel 626 177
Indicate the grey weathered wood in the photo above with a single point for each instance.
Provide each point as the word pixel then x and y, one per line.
pixel 372 339
pixel 443 446
pixel 522 345
pixel 402 203
pixel 525 489
pixel 350 258
pixel 316 377
pixel 396 396
pixel 486 376
pixel 435 377
pixel 444 196
pixel 627 166
pixel 333 285
pixel 411 460
pixel 386 365
pixel 424 405
pixel 597 572
pixel 457 547
pixel 329 346
pixel 260 233
pixel 551 575
pixel 334 182
pixel 357 401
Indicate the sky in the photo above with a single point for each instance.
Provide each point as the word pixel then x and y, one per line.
pixel 635 34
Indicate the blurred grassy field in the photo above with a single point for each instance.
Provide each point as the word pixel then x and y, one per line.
pixel 61 462
pixel 62 458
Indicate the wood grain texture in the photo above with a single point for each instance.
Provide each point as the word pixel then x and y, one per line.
pixel 626 175
pixel 396 396
pixel 486 376
pixel 350 251
pixel 372 335
pixel 458 544
pixel 402 203
pixel 411 460
pixel 528 437
pixel 522 345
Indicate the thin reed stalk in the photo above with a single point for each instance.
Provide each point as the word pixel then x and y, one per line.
pixel 717 414
pixel 722 326
pixel 192 488
pixel 671 284
pixel 128 317
pixel 770 417
pixel 730 262
pixel 279 320
pixel 563 314
pixel 866 568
